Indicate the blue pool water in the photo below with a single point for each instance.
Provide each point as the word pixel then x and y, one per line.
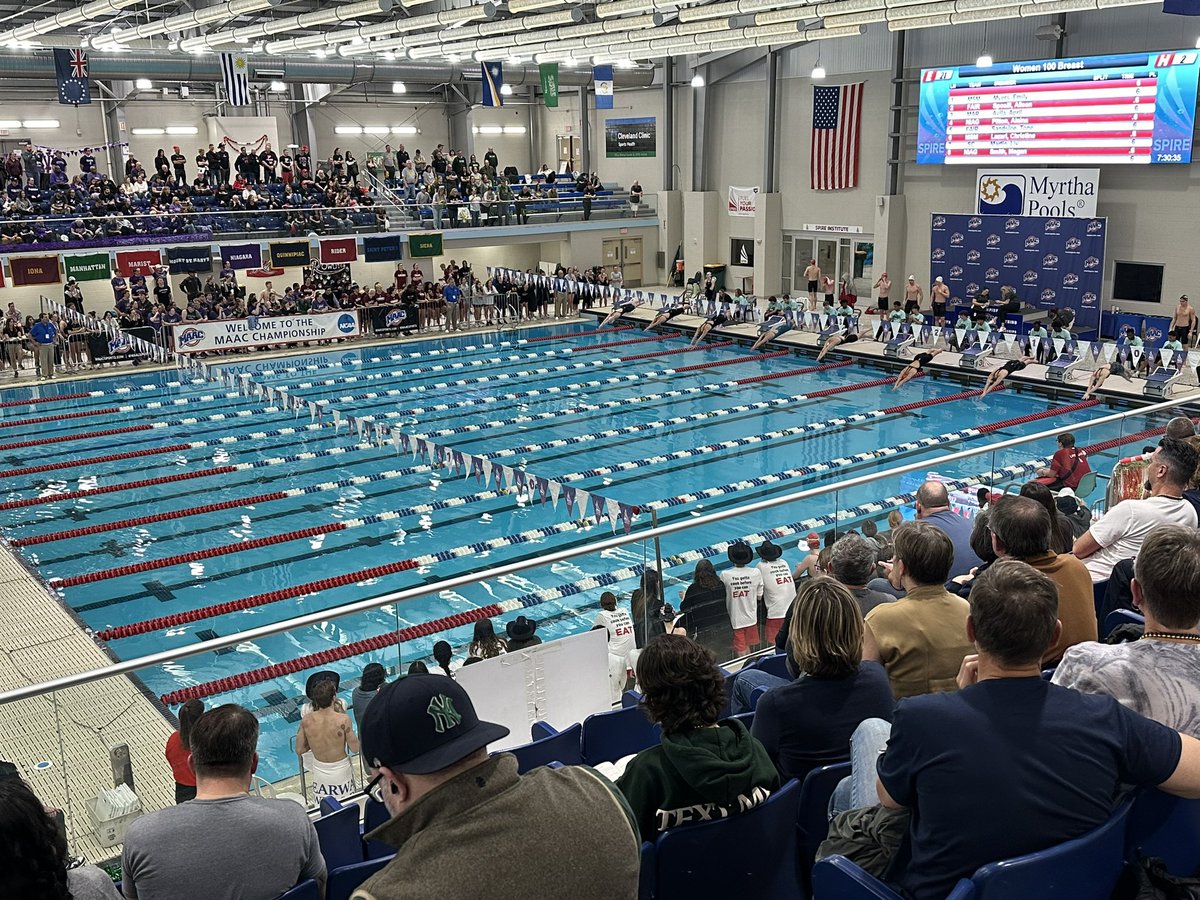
pixel 133 598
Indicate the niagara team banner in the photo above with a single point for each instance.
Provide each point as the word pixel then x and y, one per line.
pixel 1050 262
pixel 256 332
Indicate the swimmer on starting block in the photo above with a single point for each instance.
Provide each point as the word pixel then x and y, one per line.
pixel 623 310
pixel 997 376
pixel 713 321
pixel 850 333
pixel 666 315
pixel 771 329
pixel 1101 373
pixel 915 367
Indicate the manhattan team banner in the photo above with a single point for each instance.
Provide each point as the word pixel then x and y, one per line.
pixel 1051 263
pixel 195 337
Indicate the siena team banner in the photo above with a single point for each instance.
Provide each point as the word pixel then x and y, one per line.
pixel 1051 263
pixel 256 332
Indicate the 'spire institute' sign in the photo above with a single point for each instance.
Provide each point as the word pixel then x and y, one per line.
pixel 196 337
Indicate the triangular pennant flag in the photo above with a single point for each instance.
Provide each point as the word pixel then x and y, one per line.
pixel 627 517
pixel 1193 358
pixel 1009 338
pixel 614 513
pixel 1136 353
pixel 396 441
pixel 337 419
pixel 583 499
pixel 1164 357
pixel 555 491
pixel 1034 342
pixel 1109 350
pixel 598 504
pixel 486 466
pixel 1059 343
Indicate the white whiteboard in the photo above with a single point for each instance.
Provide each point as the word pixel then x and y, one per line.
pixel 561 682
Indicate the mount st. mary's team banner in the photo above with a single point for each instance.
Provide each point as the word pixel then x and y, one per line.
pixel 631 137
pixel 256 332
pixel 1050 262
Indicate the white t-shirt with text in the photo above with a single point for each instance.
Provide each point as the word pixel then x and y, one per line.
pixel 619 625
pixel 779 590
pixel 743 587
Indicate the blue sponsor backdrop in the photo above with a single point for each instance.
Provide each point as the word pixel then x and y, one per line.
pixel 1051 263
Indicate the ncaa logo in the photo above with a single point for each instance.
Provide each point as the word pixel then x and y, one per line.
pixel 1048 295
pixel 1073 243
pixel 1052 226
pixel 1070 279
pixel 346 323
pixel 972 256
pixel 956 239
pixel 1049 260
pixel 190 337
pixel 1030 277
pixel 939 254
pixel 974 222
pixel 939 221
pixel 991 274
pixel 956 271
pixel 1095 226
pixel 1091 263
pixel 1031 242
pixel 1089 299
pixel 395 317
pixel 1012 225
pixel 993 240
pixel 1010 259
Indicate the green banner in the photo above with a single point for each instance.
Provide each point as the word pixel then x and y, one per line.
pixel 88 267
pixel 425 244
pixel 549 75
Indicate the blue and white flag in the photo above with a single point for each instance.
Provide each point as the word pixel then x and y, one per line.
pixel 602 76
pixel 71 73
pixel 492 74
pixel 236 75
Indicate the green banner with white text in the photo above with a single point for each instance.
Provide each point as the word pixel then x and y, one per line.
pixel 88 267
pixel 549 76
pixel 423 245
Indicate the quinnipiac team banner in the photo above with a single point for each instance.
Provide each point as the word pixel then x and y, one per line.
pixel 1050 263
pixel 255 332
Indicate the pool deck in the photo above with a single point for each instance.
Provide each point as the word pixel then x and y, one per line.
pixel 805 342
pixel 73 730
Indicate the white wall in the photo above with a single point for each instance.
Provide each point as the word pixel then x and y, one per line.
pixel 627 104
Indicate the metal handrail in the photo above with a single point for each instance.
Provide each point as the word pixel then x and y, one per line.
pixel 127 666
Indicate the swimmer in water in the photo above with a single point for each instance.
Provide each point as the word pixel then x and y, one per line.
pixel 848 335
pixel 771 329
pixel 623 310
pixel 666 315
pixel 997 376
pixel 914 368
pixel 1100 375
pixel 714 321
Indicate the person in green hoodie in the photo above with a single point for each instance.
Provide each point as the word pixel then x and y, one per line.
pixel 703 769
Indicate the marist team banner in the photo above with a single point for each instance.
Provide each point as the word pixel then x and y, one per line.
pixel 255 332
pixel 1051 263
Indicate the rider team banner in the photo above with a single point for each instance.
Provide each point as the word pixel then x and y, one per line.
pixel 258 332
pixel 1051 263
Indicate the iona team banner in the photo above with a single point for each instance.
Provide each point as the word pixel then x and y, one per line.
pixel 1051 263
pixel 34 269
pixel 234 333
pixel 88 267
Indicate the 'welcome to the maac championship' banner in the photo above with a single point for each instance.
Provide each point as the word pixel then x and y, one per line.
pixel 258 332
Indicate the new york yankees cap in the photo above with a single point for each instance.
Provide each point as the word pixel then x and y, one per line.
pixel 423 723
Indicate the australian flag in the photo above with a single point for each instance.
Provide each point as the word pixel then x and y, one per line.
pixel 71 72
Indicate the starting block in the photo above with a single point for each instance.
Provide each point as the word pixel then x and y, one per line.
pixel 1059 370
pixel 891 350
pixel 1158 383
pixel 972 358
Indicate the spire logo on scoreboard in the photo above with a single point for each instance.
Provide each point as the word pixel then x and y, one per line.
pixel 1037 192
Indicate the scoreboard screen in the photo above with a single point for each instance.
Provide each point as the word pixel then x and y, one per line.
pixel 1136 108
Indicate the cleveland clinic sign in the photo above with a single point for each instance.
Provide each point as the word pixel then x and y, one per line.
pixel 234 334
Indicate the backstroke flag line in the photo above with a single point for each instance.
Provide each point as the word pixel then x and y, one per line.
pixel 236 76
pixel 836 124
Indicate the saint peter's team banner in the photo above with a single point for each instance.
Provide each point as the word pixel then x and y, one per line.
pixel 1051 262
pixel 256 332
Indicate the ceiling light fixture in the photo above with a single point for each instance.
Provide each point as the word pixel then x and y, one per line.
pixel 399 88
pixel 697 80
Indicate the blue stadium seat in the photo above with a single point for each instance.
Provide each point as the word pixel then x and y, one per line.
pixel 563 747
pixel 746 718
pixel 812 821
pixel 609 736
pixel 305 890
pixel 774 664
pixel 1167 827
pixel 374 815
pixel 337 831
pixel 1119 617
pixel 345 880
pixel 1086 868
pixel 646 873
pixel 631 698
pixel 748 855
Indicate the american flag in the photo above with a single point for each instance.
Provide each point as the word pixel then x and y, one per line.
pixel 837 121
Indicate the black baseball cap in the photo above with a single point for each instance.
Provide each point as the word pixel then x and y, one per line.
pixel 420 725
